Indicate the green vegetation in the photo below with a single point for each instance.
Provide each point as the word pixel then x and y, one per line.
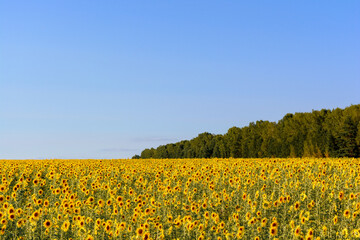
pixel 325 133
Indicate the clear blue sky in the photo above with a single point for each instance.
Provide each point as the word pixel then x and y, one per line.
pixel 106 79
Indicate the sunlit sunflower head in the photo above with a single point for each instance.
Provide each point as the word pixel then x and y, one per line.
pixel 247 216
pixel 309 237
pixel 266 205
pixel 297 206
pixel 36 215
pixel 273 231
pixel 47 223
pixel 274 224
pixel 19 223
pixel 11 216
pixel 341 195
pixel 297 231
pixel 146 236
pixel 6 205
pixel 10 210
pixel 65 226
pixel 263 222
pixel 140 231
pixel 347 213
pixel 46 203
pixel 89 237
pixel 352 196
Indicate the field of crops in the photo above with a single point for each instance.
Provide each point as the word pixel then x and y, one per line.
pixel 180 199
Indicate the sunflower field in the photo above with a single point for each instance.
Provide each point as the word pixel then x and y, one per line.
pixel 307 198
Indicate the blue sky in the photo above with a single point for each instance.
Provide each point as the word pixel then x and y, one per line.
pixel 106 79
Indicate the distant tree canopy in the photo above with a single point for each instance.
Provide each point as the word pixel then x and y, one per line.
pixel 325 133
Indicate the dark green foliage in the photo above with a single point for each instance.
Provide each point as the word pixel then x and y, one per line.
pixel 325 133
pixel 347 138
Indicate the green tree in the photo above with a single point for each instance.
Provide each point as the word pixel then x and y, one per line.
pixel 347 138
pixel 330 133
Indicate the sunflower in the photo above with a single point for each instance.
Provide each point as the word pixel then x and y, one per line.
pixel 6 205
pixel 81 223
pixel 36 215
pixel 77 210
pixel 263 222
pixel 292 224
pixel 146 236
pixel 201 227
pixel 140 231
pixel 266 205
pixel 11 210
pixel 177 223
pixel 345 232
pixel 247 216
pixel 98 222
pixel 147 211
pixel 36 181
pixel 352 196
pixel 11 216
pixel 244 196
pixel 355 233
pixel 297 206
pixel 221 225
pixel 101 203
pixel 341 195
pixel 47 224
pixel 65 226
pixel 258 213
pixel 347 213
pixel 18 212
pixel 241 232
pixel 274 224
pixel 273 231
pixel 297 231
pixel 309 237
pixel 19 223
pixel 3 221
pixel 309 206
pixel 46 203
pixel 89 237
pixel 119 199
pixel 122 226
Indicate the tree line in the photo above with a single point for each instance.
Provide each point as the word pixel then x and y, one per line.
pixel 324 133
